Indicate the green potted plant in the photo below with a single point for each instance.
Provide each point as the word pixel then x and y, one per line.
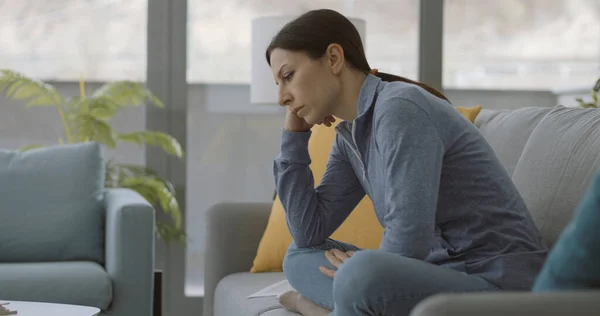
pixel 594 103
pixel 88 118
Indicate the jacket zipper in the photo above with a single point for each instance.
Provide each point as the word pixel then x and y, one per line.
pixel 354 148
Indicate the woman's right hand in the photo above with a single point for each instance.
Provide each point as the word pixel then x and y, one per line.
pixel 294 123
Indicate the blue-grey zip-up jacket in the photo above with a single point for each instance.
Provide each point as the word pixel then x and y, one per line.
pixel 437 187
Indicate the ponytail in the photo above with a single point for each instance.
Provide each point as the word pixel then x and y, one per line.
pixel 390 78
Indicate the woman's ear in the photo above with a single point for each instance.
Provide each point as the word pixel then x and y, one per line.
pixel 335 58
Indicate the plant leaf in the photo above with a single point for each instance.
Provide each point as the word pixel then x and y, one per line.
pixel 89 127
pixel 77 104
pixel 30 147
pixel 582 103
pixel 596 87
pixel 17 86
pixel 155 100
pixel 110 172
pixel 166 141
pixel 127 93
pixel 158 193
pixel 103 108
pixel 131 170
pixel 168 232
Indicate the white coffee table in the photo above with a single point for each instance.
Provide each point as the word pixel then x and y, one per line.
pixel 46 309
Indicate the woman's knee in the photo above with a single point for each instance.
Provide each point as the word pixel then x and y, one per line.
pixel 357 277
pixel 296 262
pixel 297 259
pixel 293 254
pixel 302 263
pixel 301 268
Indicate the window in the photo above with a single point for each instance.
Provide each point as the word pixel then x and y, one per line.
pixel 62 40
pixel 219 34
pixel 521 44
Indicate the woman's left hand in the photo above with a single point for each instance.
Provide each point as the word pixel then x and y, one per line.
pixel 336 258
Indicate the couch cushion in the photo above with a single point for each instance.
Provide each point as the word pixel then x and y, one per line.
pixel 557 165
pixel 79 283
pixel 507 131
pixel 51 204
pixel 231 293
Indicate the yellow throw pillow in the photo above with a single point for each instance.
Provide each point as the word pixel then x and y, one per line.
pixel 470 113
pixel 361 228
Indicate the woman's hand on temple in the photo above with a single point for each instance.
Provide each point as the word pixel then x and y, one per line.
pixel 336 258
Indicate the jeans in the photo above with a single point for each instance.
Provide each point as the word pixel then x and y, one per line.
pixel 372 282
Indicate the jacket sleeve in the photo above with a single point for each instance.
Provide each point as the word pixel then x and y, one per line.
pixel 313 214
pixel 412 153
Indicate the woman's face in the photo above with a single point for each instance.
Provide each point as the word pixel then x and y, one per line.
pixel 307 86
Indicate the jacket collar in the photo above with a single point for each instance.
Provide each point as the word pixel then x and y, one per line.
pixel 370 88
pixel 367 94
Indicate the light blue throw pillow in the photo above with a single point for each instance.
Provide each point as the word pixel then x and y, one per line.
pixel 574 262
pixel 51 204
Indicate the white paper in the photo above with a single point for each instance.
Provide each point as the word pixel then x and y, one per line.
pixel 273 290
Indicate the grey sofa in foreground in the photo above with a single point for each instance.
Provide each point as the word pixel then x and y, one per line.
pixel 66 239
pixel 552 156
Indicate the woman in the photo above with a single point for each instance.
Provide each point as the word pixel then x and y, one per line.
pixel 453 219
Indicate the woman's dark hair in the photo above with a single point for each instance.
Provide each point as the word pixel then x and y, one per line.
pixel 315 30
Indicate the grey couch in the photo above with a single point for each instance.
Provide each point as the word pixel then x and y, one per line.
pixel 65 239
pixel 552 155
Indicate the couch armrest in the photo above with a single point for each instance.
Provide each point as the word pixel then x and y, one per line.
pixel 583 303
pixel 233 232
pixel 130 252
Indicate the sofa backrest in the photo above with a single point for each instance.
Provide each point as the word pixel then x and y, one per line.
pixel 557 165
pixel 507 131
pixel 51 204
pixel 551 153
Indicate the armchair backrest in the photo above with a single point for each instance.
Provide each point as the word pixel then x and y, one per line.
pixel 51 204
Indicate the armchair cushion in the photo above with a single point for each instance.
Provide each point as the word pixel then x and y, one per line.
pixel 77 282
pixel 51 204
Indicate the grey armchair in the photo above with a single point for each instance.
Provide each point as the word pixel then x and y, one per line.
pixel 122 286
pixel 66 239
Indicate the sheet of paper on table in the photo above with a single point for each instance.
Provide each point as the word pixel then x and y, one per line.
pixel 4 310
pixel 273 290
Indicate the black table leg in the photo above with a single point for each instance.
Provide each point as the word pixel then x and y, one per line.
pixel 157 293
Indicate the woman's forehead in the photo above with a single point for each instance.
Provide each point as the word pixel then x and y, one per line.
pixel 282 56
